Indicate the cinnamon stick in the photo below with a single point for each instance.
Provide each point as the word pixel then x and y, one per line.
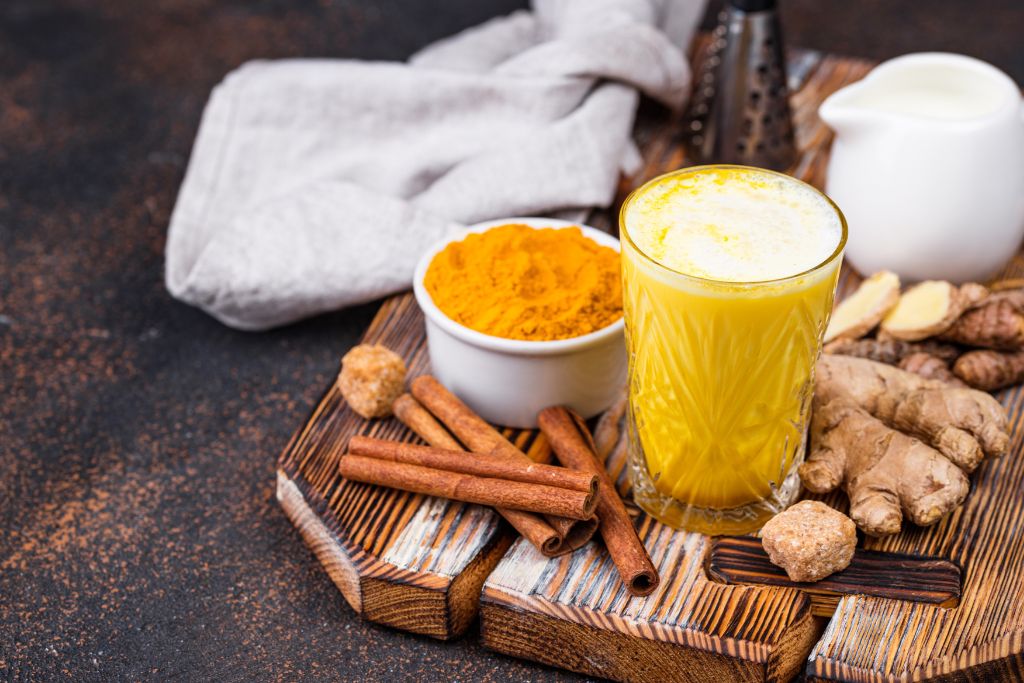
pixel 470 428
pixel 530 526
pixel 574 448
pixel 417 418
pixel 480 437
pixel 505 493
pixel 608 431
pixel 464 463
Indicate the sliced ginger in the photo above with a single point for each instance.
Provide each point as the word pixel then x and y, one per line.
pixel 858 313
pixel 930 308
pixel 897 442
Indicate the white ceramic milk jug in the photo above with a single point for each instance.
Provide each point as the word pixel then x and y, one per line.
pixel 928 167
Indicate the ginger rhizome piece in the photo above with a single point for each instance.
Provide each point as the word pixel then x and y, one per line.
pixel 930 367
pixel 996 324
pixel 930 308
pixel 964 424
pixel 371 378
pixel 1013 296
pixel 897 442
pixel 926 333
pixel 810 541
pixel 891 351
pixel 885 472
pixel 860 312
pixel 990 370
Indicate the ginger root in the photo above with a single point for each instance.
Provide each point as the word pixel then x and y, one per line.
pixel 891 351
pixel 963 424
pixel 897 442
pixel 996 324
pixel 990 370
pixel 930 308
pixel 885 472
pixel 860 312
pixel 931 367
pixel 1014 296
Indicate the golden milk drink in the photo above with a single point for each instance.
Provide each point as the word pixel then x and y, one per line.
pixel 728 279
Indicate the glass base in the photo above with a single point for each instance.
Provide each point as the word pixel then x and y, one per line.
pixel 713 522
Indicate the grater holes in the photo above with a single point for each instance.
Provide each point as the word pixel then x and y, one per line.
pixel 723 19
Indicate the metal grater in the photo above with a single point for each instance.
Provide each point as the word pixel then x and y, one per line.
pixel 739 112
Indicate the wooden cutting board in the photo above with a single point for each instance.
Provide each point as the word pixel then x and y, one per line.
pixel 422 565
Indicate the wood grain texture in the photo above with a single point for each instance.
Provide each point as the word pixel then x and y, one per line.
pixel 405 560
pixel 742 560
pixel 611 654
pixel 690 626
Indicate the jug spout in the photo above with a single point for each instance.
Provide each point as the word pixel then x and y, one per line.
pixel 934 91
pixel 842 113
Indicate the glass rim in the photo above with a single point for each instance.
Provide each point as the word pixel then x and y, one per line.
pixel 626 238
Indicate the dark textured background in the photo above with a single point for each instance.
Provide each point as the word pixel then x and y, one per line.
pixel 139 535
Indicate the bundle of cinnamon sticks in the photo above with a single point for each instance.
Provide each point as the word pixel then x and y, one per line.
pixel 552 507
pixel 529 487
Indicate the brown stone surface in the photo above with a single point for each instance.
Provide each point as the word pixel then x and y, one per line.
pixel 139 535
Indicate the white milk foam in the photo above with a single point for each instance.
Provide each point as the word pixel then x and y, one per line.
pixel 736 225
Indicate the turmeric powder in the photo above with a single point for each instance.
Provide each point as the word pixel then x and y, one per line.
pixel 518 282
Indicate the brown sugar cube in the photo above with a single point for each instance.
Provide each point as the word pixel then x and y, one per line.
pixel 810 540
pixel 371 378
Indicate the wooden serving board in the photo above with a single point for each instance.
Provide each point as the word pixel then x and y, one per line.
pixel 405 560
pixel 424 565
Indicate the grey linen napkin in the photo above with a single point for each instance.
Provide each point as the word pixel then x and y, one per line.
pixel 317 184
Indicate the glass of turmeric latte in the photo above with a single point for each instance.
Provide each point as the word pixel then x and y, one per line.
pixel 728 279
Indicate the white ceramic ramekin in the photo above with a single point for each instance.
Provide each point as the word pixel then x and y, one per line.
pixel 509 381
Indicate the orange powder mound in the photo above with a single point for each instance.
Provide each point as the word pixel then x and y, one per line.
pixel 517 282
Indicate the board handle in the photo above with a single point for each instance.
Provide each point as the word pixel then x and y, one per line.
pixel 914 578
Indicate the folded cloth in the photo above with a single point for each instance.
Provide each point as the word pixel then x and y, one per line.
pixel 317 184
